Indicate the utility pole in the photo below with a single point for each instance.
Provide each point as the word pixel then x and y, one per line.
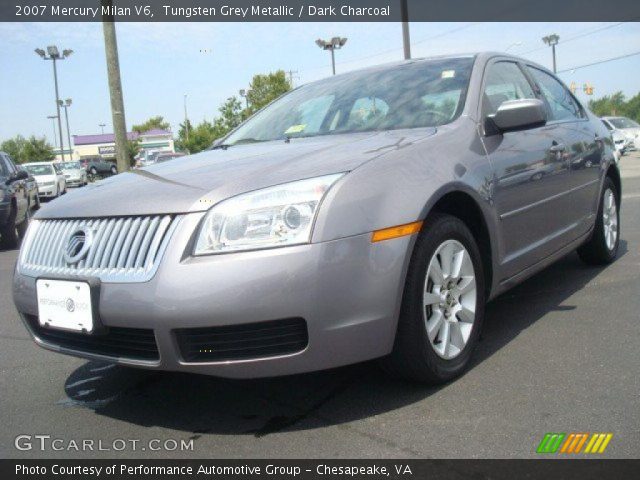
pixel 552 41
pixel 186 118
pixel 66 105
pixel 115 88
pixel 53 54
pixel 53 122
pixel 243 93
pixel 336 43
pixel 102 125
pixel 406 41
pixel 292 74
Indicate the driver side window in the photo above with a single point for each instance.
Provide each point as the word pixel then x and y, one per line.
pixel 505 81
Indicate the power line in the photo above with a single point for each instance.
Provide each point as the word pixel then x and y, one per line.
pixel 580 35
pixel 600 62
pixel 391 50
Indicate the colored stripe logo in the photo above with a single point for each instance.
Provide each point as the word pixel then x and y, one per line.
pixel 574 443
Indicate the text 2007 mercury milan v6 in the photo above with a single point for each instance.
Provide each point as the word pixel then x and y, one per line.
pixel 369 215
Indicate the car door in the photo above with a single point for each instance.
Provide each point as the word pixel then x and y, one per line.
pixel 530 173
pixel 584 148
pixel 18 186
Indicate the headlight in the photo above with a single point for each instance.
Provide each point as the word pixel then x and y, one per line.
pixel 271 217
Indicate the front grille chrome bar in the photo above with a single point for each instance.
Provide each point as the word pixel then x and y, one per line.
pixel 122 249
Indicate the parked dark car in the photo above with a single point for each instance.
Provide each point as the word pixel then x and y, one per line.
pixel 32 189
pixel 95 166
pixel 367 215
pixel 14 202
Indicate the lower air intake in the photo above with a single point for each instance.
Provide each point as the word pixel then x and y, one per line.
pixel 241 342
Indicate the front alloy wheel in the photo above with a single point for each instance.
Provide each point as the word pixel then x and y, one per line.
pixel 442 304
pixel 450 299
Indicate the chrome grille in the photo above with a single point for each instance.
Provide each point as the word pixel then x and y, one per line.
pixel 122 249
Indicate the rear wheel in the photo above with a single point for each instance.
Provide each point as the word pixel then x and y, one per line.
pixel 114 170
pixel 93 171
pixel 442 306
pixel 602 248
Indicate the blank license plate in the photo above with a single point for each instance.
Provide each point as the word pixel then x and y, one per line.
pixel 65 305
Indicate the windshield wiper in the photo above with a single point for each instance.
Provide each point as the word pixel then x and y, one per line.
pixel 242 141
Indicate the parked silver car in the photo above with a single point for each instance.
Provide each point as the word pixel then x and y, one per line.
pixel 627 127
pixel 367 215
pixel 74 174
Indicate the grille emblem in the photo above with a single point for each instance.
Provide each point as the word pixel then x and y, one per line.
pixel 78 245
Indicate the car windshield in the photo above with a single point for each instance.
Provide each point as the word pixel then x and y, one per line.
pixel 623 122
pixel 70 165
pixel 421 94
pixel 39 169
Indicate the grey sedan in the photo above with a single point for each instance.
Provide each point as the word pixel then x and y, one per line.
pixel 369 215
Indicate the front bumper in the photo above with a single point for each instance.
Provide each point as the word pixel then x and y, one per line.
pixel 47 191
pixel 74 182
pixel 348 291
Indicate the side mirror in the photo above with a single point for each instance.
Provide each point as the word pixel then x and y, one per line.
pixel 514 115
pixel 19 175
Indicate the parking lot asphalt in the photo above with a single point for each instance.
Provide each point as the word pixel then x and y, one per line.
pixel 559 353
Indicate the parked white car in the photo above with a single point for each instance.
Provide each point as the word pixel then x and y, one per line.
pixel 50 178
pixel 75 175
pixel 620 141
pixel 627 127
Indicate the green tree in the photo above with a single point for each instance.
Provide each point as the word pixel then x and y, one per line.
pixel 32 149
pixel 608 105
pixel 154 122
pixel 230 116
pixel 200 137
pixel 133 148
pixel 266 88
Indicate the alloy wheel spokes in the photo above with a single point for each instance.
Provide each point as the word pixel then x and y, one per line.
pixel 449 299
pixel 610 219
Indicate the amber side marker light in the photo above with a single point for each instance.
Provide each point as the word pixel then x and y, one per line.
pixel 395 232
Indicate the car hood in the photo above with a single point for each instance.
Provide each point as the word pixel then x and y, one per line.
pixel 45 178
pixel 196 182
pixel 73 172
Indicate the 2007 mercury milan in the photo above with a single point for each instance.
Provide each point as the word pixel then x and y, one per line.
pixel 372 214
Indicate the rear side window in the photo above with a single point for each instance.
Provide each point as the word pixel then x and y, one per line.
pixel 505 81
pixel 561 103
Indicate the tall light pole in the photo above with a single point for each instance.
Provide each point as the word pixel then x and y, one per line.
pixel 552 41
pixel 102 125
pixel 53 54
pixel 186 118
pixel 406 42
pixel 115 87
pixel 336 43
pixel 66 105
pixel 53 122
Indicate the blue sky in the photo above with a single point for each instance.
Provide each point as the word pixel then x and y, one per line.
pixel 160 62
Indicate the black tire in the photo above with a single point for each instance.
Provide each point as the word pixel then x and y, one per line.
pixel 21 228
pixel 36 206
pixel 8 233
pixel 413 356
pixel 596 251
